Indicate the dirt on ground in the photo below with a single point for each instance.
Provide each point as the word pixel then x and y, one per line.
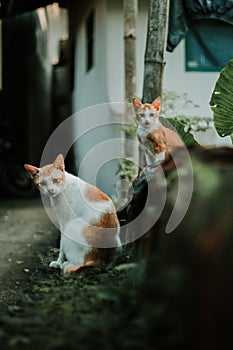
pixel 25 232
pixel 39 307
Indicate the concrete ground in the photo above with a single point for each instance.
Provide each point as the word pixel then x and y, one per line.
pixel 25 233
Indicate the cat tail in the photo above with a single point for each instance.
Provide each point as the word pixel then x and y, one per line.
pixel 72 268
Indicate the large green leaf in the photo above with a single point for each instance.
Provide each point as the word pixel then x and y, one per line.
pixel 222 101
pixel 179 126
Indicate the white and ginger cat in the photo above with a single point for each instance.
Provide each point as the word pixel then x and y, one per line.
pixel 155 140
pixel 87 218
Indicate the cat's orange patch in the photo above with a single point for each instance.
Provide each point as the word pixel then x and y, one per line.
pixel 102 233
pixel 157 103
pixel 108 220
pixel 173 139
pixel 158 140
pixel 164 139
pixel 94 194
pixel 149 106
pixel 32 170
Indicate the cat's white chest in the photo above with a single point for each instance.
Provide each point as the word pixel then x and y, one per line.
pixel 142 134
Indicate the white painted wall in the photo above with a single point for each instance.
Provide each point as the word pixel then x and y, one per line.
pixel 90 87
pixel 114 52
pixel 115 48
pixel 198 85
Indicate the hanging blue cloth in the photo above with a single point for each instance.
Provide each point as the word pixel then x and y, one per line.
pixel 184 14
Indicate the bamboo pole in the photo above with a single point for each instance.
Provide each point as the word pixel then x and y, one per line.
pixel 154 62
pixel 130 9
pixel 155 49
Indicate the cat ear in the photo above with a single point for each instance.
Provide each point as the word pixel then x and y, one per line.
pixel 59 163
pixel 137 104
pixel 32 170
pixel 157 103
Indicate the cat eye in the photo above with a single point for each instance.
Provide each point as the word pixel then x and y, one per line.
pixel 151 114
pixel 42 183
pixel 56 181
pixel 141 115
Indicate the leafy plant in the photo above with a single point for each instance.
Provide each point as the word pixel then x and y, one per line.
pixel 174 104
pixel 129 130
pixel 180 127
pixel 196 123
pixel 222 102
pixel 127 169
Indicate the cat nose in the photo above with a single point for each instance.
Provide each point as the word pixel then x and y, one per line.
pixel 51 190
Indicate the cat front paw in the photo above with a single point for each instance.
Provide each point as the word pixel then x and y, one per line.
pixel 56 264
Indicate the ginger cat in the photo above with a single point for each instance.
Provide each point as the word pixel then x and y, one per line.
pixel 87 218
pixel 155 139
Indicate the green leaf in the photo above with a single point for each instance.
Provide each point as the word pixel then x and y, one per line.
pixel 178 126
pixel 221 101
